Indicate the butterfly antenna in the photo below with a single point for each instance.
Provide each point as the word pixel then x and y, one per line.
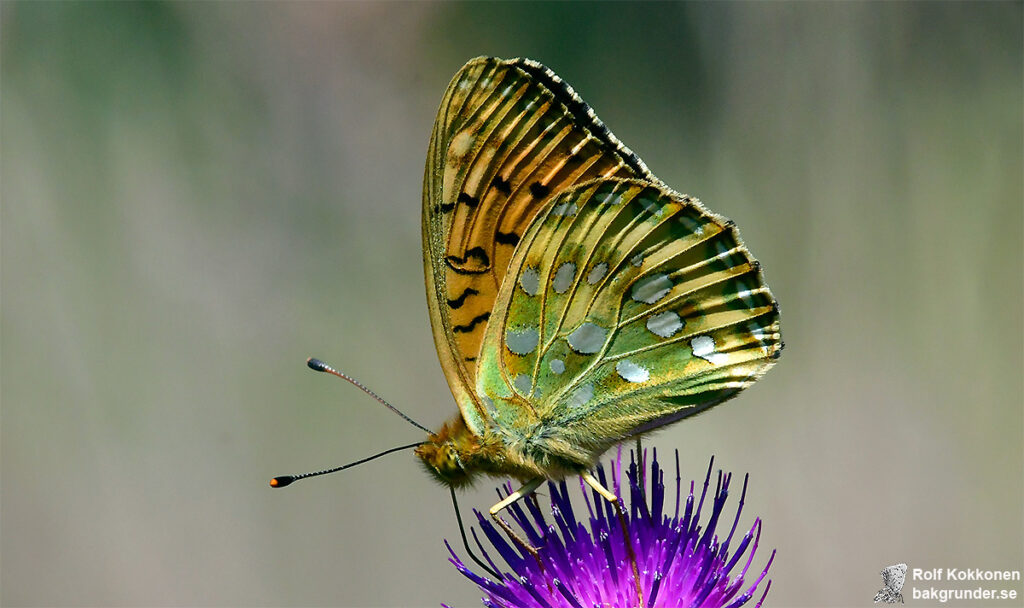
pixel 320 366
pixel 285 480
pixel 465 541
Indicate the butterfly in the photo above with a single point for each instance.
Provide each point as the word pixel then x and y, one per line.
pixel 893 578
pixel 576 300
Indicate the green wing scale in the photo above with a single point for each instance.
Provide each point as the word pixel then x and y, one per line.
pixel 626 307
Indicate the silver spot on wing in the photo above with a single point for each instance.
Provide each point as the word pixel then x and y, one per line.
pixel 597 273
pixel 631 372
pixel 522 342
pixel 529 281
pixel 665 324
pixel 581 395
pixel 565 209
pixel 564 277
pixel 523 383
pixel 704 347
pixel 588 338
pixel 651 289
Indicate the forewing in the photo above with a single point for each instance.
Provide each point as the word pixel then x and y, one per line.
pixel 508 134
pixel 627 306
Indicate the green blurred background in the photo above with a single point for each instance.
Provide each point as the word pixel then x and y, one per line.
pixel 196 197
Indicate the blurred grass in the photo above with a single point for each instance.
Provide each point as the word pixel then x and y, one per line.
pixel 198 196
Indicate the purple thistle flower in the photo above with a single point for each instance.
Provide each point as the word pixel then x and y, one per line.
pixel 681 564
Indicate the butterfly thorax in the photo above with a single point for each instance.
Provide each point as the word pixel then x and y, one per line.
pixel 454 455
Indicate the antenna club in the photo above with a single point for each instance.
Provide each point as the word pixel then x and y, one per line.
pixel 320 366
pixel 317 365
pixel 280 482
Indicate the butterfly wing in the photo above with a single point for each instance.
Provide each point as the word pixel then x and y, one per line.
pixel 627 306
pixel 507 135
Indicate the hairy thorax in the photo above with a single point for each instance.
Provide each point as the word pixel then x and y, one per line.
pixel 454 455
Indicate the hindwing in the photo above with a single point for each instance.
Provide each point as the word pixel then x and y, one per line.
pixel 627 306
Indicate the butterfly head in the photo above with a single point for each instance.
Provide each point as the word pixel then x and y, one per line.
pixel 448 453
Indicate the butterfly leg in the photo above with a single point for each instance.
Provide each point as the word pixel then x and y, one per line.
pixel 617 505
pixel 527 489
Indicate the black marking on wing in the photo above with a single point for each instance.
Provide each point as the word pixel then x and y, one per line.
pixel 445 207
pixel 469 359
pixel 506 238
pixel 468 327
pixel 539 190
pixel 459 301
pixel 581 111
pixel 456 263
pixel 469 201
pixel 501 185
